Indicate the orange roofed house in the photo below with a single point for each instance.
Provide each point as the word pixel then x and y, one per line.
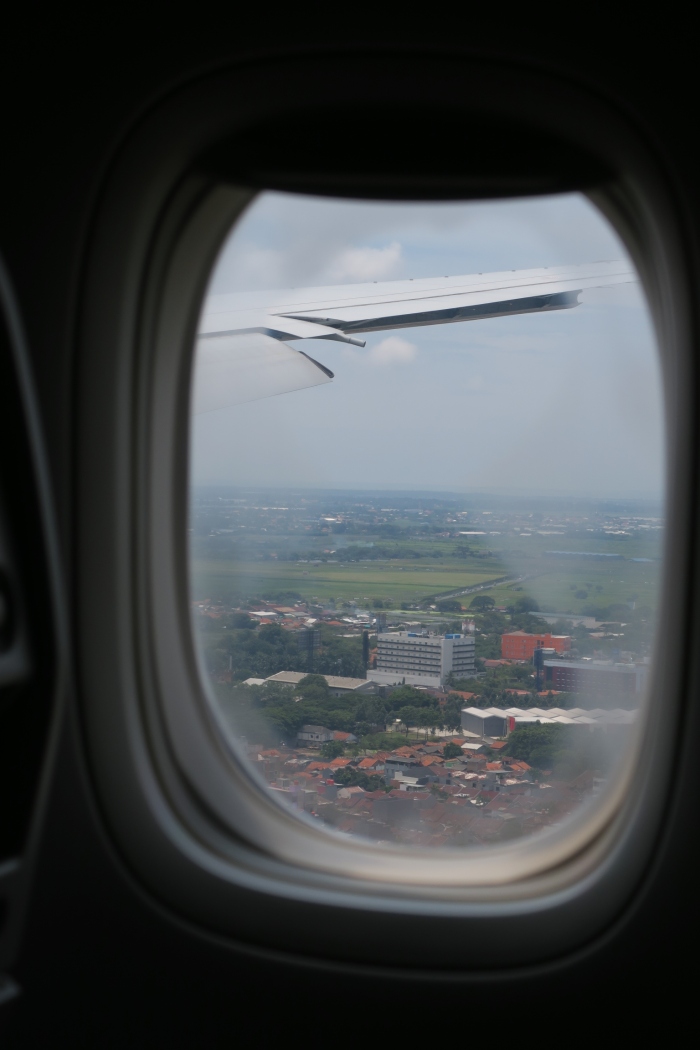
pixel 518 645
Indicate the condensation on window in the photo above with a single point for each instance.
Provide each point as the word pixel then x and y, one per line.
pixel 427 511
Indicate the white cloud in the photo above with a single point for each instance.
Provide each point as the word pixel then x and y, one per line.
pixel 393 351
pixel 366 264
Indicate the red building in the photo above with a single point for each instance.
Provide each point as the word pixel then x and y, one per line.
pixel 607 681
pixel 518 645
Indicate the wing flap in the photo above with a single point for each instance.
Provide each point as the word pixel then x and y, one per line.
pixel 233 369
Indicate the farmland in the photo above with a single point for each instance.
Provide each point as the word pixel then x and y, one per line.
pixel 395 582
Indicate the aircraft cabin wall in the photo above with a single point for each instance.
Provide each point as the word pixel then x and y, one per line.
pixel 93 956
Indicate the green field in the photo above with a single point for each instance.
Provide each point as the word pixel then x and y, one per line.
pixel 555 588
pixel 399 582
pixel 417 568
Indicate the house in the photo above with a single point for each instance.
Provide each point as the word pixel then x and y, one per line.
pixel 396 763
pixel 370 764
pixel 314 736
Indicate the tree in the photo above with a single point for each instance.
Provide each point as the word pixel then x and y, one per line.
pixel 262 652
pixel 452 751
pixel 449 605
pixel 332 749
pixel 407 696
pixel 526 604
pixel 338 655
pixel 537 744
pixel 408 717
pixel 371 710
pixel 482 602
pixel 313 687
pixel 349 777
pixel 241 621
pixel 487 646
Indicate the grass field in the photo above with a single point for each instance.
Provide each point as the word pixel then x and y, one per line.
pixel 398 582
pixel 555 587
pixel 423 567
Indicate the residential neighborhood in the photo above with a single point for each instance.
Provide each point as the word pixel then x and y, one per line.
pixel 462 792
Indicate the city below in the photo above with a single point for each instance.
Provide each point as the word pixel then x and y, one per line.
pixel 424 671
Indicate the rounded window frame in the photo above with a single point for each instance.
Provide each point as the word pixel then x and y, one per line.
pixel 183 784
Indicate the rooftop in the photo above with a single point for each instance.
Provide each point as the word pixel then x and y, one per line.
pixel 574 716
pixel 334 681
pixel 596 665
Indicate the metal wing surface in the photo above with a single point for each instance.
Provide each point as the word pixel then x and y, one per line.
pixel 242 351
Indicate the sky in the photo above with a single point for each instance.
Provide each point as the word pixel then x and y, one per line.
pixel 565 403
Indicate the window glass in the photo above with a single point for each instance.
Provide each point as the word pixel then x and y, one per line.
pixel 426 511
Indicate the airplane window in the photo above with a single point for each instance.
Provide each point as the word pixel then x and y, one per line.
pixel 427 470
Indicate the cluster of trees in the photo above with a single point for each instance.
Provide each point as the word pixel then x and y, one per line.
pixel 617 611
pixel 251 653
pixel 418 710
pixel 351 777
pixel 332 749
pixel 274 713
pixel 465 551
pixel 567 751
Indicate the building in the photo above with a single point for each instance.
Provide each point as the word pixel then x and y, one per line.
pixel 596 678
pixel 499 722
pixel 314 736
pixel 337 685
pixel 519 645
pixel 484 722
pixel 344 738
pixel 422 659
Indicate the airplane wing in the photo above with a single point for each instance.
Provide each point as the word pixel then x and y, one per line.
pixel 242 352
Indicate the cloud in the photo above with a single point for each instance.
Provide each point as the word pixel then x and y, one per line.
pixel 249 267
pixel 366 264
pixel 393 351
